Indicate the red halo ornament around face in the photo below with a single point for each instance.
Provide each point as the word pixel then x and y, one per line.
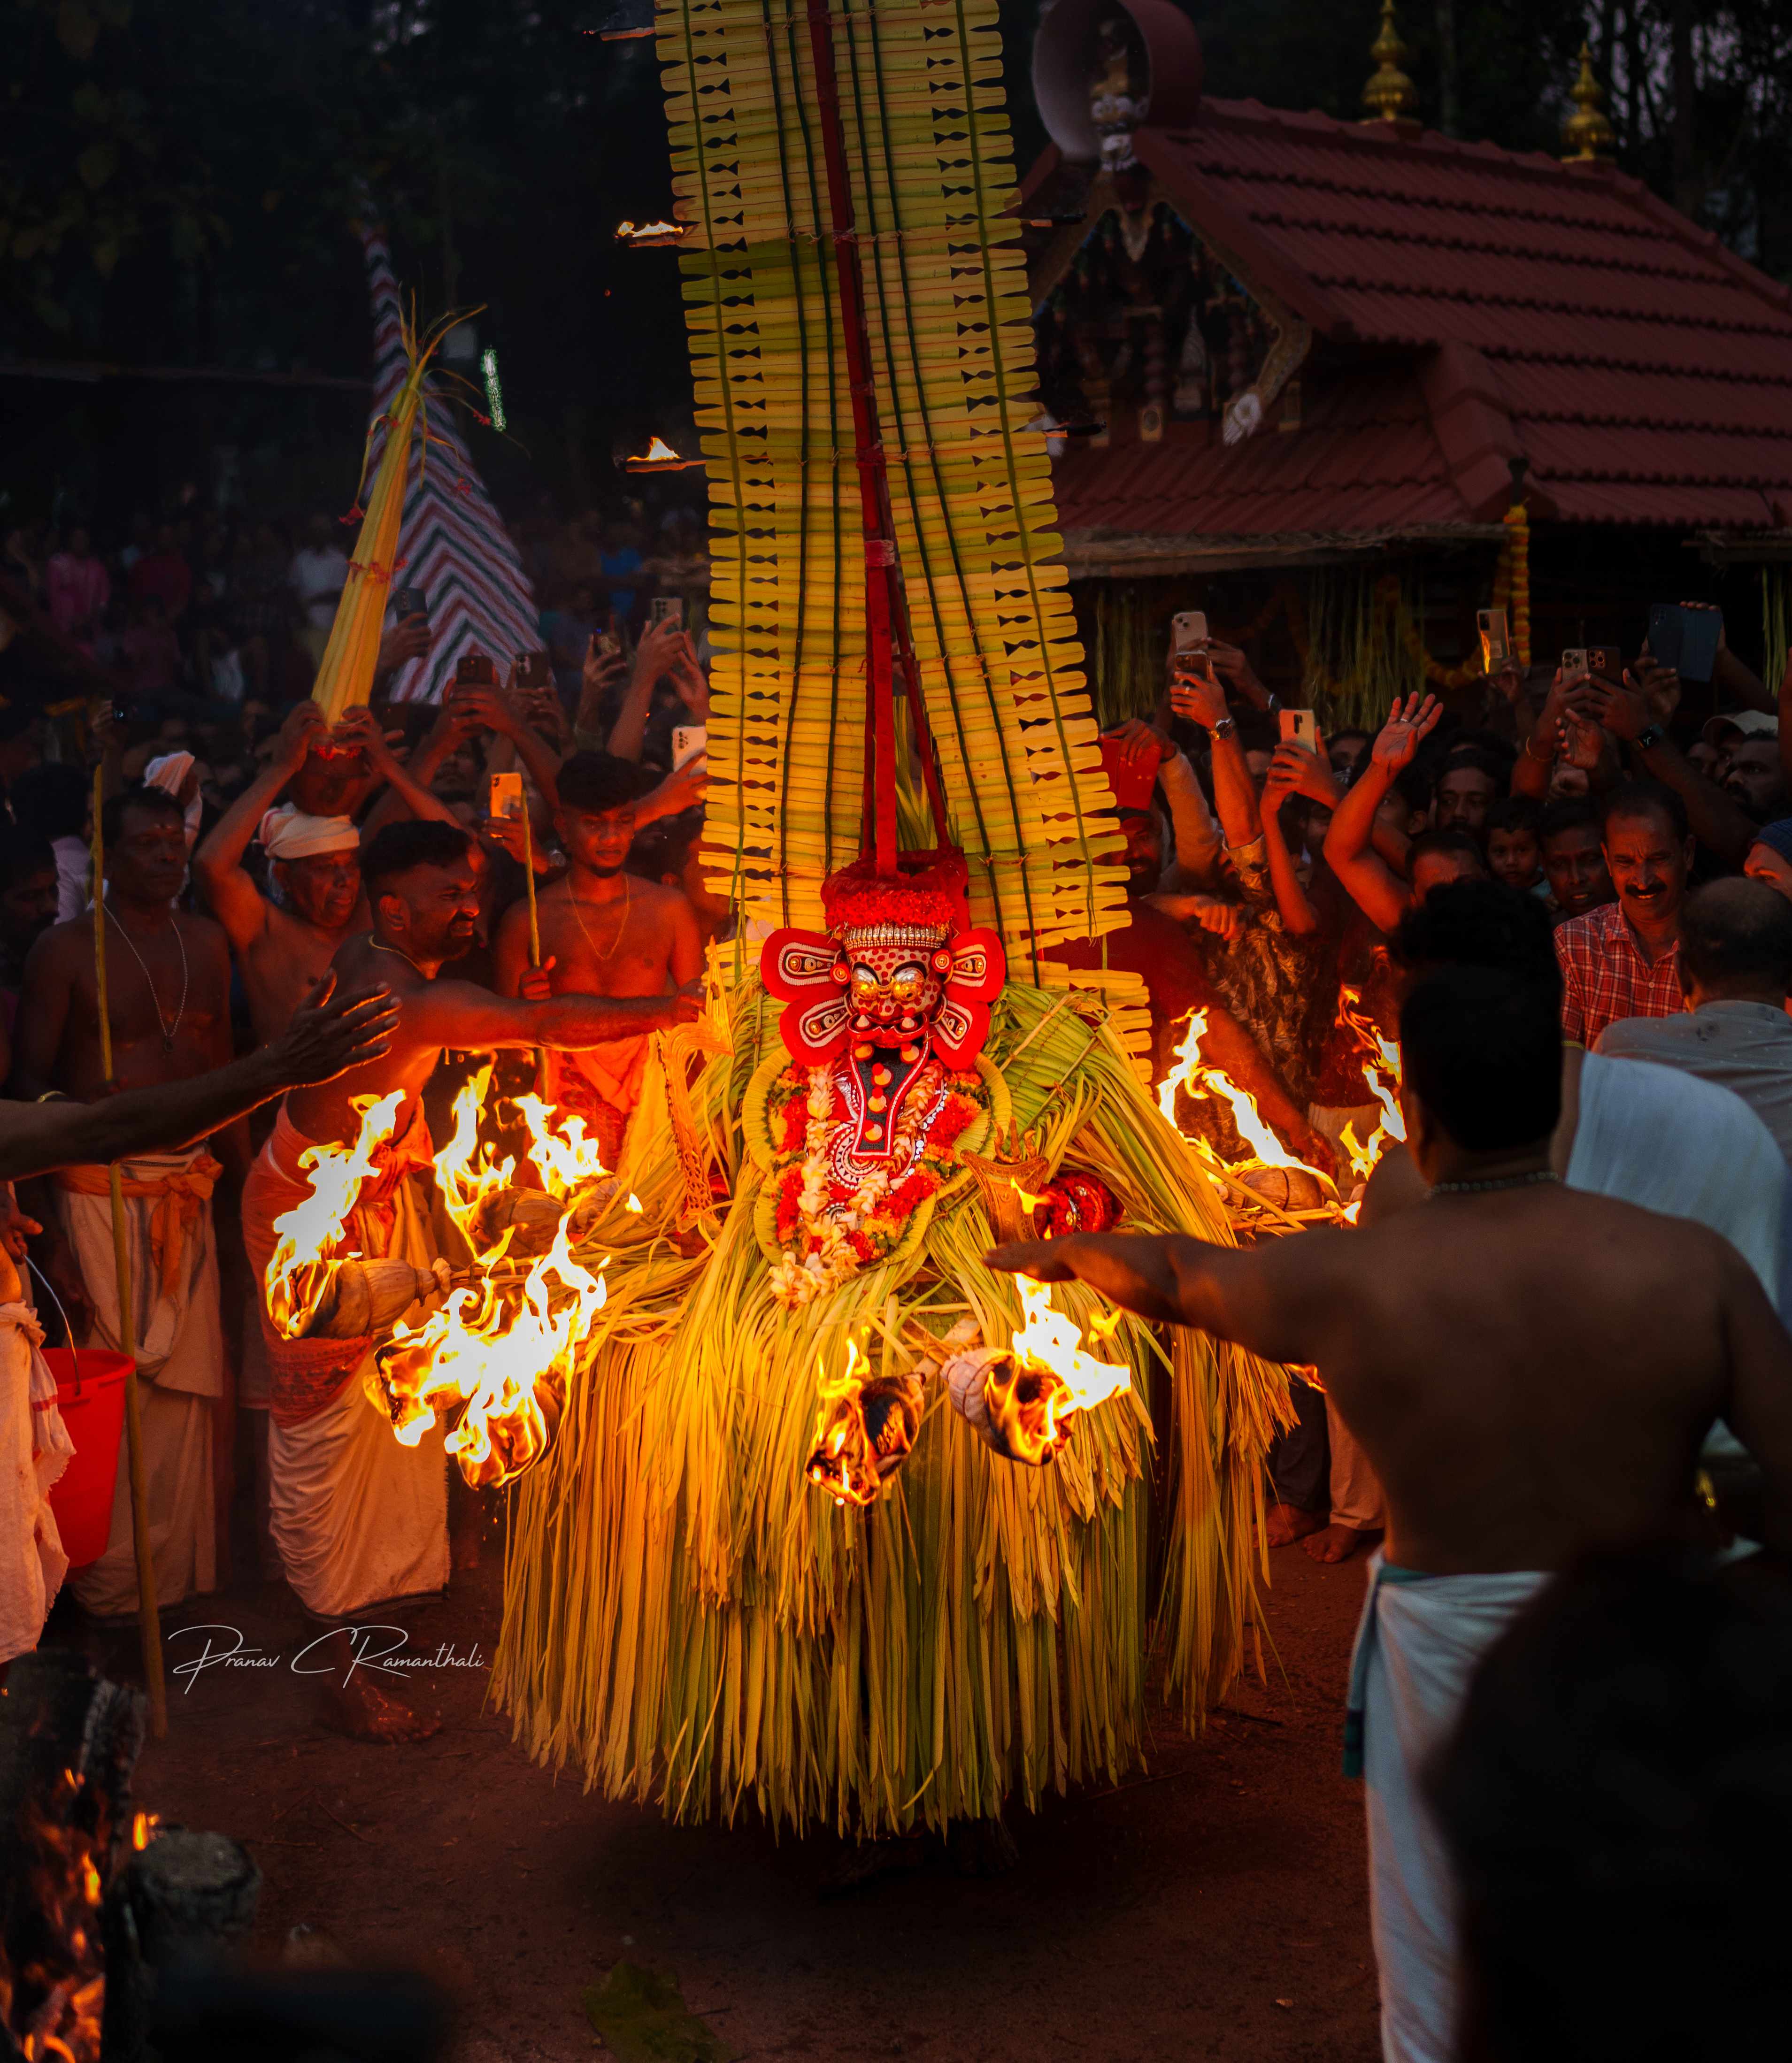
pixel 927 903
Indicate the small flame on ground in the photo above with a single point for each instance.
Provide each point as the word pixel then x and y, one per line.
pixel 1053 1377
pixel 658 450
pixel 52 2003
pixel 631 232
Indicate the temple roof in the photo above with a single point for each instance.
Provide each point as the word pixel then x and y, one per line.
pixel 1470 306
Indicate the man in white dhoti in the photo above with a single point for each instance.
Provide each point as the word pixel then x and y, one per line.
pixel 168 994
pixel 34 1450
pixel 1531 1370
pixel 323 1038
pixel 360 1520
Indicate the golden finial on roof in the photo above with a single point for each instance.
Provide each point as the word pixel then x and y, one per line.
pixel 1390 95
pixel 1586 132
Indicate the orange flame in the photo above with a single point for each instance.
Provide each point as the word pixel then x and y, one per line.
pixel 142 1829
pixel 1053 1378
pixel 1201 1079
pixel 52 2003
pixel 502 1352
pixel 308 1235
pixel 643 232
pixel 1381 1073
pixel 841 1462
pixel 658 450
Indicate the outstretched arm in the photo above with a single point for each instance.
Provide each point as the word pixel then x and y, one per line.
pixel 361 728
pixel 325 1038
pixel 1377 891
pixel 1274 1300
pixel 1716 819
pixel 460 1014
pixel 236 901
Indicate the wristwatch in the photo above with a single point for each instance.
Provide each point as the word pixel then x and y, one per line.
pixel 1650 736
pixel 1224 727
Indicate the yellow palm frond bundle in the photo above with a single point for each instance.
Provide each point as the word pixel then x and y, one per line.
pixel 345 678
pixel 948 321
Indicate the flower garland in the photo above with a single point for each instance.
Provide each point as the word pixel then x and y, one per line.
pixel 834 1214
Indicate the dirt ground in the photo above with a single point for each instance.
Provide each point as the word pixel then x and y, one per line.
pixel 1213 1905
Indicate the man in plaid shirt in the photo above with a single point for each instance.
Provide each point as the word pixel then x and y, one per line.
pixel 1622 960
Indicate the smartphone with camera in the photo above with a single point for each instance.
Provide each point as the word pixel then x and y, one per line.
pixel 688 740
pixel 1574 664
pixel 409 602
pixel 1299 727
pixel 1495 644
pixel 1685 639
pixel 1603 661
pixel 533 670
pixel 666 609
pixel 505 798
pixel 606 644
pixel 474 669
pixel 1188 631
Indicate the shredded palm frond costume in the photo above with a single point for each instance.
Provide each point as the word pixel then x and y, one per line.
pixel 770 1562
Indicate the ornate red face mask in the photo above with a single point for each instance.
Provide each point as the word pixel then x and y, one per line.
pixel 899 967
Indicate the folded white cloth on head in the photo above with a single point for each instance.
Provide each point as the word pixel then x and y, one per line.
pixel 167 773
pixel 288 833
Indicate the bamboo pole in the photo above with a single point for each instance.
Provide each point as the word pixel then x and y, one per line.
pixel 149 1621
pixel 534 933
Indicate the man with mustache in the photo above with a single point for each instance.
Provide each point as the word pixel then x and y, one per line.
pixel 359 1520
pixel 1622 960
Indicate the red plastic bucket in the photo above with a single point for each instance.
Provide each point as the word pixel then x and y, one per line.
pixel 90 1394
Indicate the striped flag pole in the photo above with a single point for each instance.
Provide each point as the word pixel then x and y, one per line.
pixel 451 543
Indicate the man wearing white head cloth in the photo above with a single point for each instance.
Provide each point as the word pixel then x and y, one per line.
pixel 283 942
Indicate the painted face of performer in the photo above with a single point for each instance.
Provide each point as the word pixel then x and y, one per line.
pixel 895 992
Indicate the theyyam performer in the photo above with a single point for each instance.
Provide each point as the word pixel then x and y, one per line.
pixel 818 1537
pixel 817 1516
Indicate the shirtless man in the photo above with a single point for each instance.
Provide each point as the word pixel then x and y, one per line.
pixel 1532 1371
pixel 168 983
pixel 603 932
pixel 283 945
pixel 359 1520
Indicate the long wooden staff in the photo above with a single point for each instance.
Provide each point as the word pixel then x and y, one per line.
pixel 534 934
pixel 149 1620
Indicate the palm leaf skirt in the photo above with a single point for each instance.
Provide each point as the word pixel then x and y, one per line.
pixel 689 1621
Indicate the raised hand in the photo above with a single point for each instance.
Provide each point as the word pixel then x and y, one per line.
pixel 661 647
pixel 359 731
pixel 1409 724
pixel 1623 711
pixel 691 685
pixel 1140 741
pixel 1198 695
pixel 682 790
pixel 330 1034
pixel 534 986
pixel 1294 770
pixel 1237 671
pixel 480 708
pixel 305 727
pixel 404 641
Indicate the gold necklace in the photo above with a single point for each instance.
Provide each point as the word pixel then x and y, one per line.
pixel 628 897
pixel 161 1023
pixel 379 946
